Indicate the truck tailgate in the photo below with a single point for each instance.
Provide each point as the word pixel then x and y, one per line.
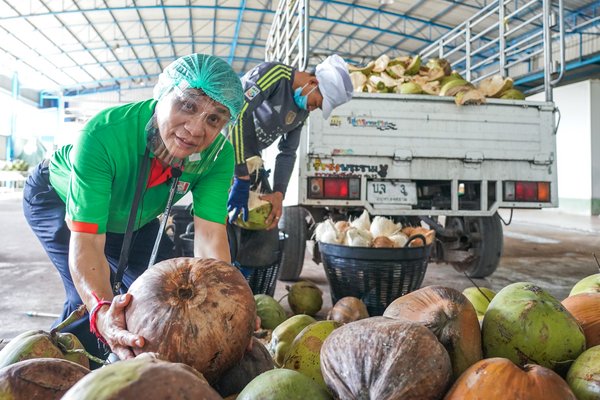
pixel 419 126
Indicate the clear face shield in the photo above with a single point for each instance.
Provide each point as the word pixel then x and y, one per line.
pixel 188 129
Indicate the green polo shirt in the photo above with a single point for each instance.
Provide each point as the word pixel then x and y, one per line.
pixel 96 177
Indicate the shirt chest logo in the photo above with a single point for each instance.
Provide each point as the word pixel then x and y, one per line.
pixel 182 187
pixel 252 92
pixel 290 117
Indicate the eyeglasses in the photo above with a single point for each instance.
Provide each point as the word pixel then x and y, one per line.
pixel 194 103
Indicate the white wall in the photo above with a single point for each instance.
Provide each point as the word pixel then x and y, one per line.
pixel 578 146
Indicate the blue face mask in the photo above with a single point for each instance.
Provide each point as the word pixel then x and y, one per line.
pixel 302 101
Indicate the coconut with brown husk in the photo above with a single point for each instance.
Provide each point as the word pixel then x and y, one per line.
pixel 39 378
pixel 200 312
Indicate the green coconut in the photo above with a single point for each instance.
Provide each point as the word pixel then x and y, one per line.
pixel 584 375
pixel 480 297
pixel 527 325
pixel 258 211
pixel 283 384
pixel 304 297
pixel 589 284
pixel 305 352
pixel 283 336
pixel 143 377
pixel 410 88
pixel 271 313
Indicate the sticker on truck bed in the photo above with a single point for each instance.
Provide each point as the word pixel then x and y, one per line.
pixel 343 169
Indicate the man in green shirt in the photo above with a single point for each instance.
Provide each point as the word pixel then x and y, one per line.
pixel 78 203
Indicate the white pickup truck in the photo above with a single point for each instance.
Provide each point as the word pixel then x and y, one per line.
pixel 423 158
pixel 418 156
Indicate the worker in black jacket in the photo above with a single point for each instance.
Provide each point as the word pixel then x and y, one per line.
pixel 277 101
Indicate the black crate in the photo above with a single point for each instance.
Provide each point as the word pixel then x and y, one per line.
pixel 377 276
pixel 261 279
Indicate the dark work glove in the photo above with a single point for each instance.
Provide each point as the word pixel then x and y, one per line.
pixel 238 199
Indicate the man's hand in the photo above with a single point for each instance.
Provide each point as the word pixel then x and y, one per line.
pixel 111 325
pixel 276 200
pixel 238 198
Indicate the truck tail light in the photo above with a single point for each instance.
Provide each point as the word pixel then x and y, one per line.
pixel 527 191
pixel 334 188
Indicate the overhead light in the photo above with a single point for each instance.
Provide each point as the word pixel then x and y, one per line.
pixel 386 2
pixel 118 49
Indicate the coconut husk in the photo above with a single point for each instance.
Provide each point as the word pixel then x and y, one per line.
pixel 495 85
pixel 381 63
pixel 413 66
pixel 469 97
pixel 367 69
pixel 441 63
pixel 513 94
pixel 395 71
pixel 359 81
pixel 434 74
pixel 451 85
pixel 382 242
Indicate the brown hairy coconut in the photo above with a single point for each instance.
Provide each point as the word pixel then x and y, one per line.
pixel 39 378
pixel 585 307
pixel 500 378
pixel 254 363
pixel 384 358
pixel 450 316
pixel 144 377
pixel 348 309
pixel 200 312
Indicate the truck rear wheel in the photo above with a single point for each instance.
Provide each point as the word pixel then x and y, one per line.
pixel 482 237
pixel 293 224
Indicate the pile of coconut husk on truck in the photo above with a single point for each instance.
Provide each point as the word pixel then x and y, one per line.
pixel 198 318
pixel 409 75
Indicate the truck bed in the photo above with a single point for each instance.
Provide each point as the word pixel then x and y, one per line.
pixel 420 138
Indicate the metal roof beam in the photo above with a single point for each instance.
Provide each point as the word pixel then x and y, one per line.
pixel 137 10
pixel 255 38
pixel 236 34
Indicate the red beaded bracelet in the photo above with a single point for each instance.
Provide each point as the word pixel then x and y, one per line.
pixel 93 315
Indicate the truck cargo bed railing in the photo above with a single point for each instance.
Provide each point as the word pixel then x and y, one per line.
pixel 288 38
pixel 508 38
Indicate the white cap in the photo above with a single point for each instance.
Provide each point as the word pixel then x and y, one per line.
pixel 334 83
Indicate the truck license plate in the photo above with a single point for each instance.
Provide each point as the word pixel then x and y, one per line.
pixel 392 192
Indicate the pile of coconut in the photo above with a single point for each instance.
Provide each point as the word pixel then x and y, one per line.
pixel 409 75
pixel 381 232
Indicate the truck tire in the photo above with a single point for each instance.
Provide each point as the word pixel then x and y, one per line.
pixel 485 240
pixel 293 224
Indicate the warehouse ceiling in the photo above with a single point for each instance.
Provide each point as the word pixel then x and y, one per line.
pixel 75 47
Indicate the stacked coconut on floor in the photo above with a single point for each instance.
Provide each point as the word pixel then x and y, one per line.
pixel 198 319
pixel 409 75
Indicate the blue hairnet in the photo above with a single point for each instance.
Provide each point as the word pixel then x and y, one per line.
pixel 209 73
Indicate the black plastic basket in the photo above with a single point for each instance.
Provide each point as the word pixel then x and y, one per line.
pixel 377 276
pixel 261 279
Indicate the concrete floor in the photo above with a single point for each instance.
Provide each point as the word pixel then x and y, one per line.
pixel 546 247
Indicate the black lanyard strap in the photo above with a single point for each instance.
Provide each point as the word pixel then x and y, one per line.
pixel 126 248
